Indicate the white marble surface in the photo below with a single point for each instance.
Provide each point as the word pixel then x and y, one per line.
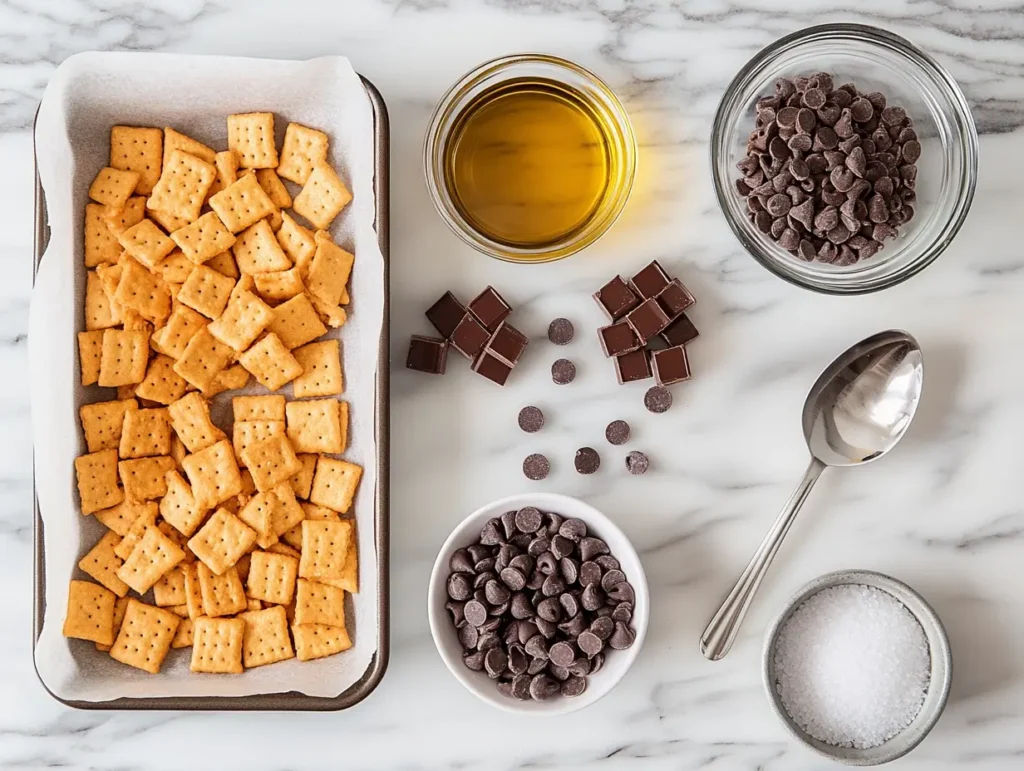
pixel 942 512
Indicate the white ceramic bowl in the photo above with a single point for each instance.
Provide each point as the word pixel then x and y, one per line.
pixel 446 637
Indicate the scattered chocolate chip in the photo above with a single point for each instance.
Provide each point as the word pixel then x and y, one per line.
pixel 637 463
pixel 563 371
pixel 561 331
pixel 587 460
pixel 617 432
pixel 536 467
pixel 531 419
pixel 658 399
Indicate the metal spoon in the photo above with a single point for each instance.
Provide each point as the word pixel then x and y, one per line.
pixel 857 411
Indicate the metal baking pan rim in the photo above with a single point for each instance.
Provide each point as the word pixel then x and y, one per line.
pixel 291 701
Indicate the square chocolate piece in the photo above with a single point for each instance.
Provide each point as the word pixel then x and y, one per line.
pixel 508 344
pixel 650 281
pixel 490 308
pixel 674 299
pixel 670 365
pixel 618 338
pixel 616 298
pixel 492 368
pixel 427 354
pixel 469 337
pixel 647 319
pixel 632 366
pixel 446 314
pixel 679 332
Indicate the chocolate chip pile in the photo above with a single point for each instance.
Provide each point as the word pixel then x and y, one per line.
pixel 536 602
pixel 830 172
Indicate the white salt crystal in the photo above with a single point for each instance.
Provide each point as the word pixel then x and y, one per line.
pixel 852 666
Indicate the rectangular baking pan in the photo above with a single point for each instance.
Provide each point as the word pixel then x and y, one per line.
pixel 378 665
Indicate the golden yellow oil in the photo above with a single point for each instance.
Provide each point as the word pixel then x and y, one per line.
pixel 529 162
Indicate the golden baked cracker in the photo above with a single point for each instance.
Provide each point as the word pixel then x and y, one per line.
pixel 182 325
pixel 102 564
pixel 193 591
pixel 312 512
pixel 274 188
pixel 257 514
pixel 100 313
pixel 223 595
pixel 285 549
pixel 178 450
pixel 272 577
pixel 335 483
pixel 275 220
pixel 287 512
pixel 203 358
pixel 242 321
pixel 349 580
pixel 321 370
pixel 170 589
pixel 226 163
pixel 90 613
pixel 315 426
pixel 184 636
pixel 242 566
pixel 142 291
pixel 213 474
pixel 153 555
pixel 175 269
pixel 317 603
pixel 146 243
pixel 303 148
pixel 182 187
pixel 315 641
pixel 271 462
pixel 242 203
pixel 322 197
pixel 296 322
pixel 121 517
pixel 333 316
pixel 206 291
pixel 224 263
pixel 144 478
pixel 146 519
pixel 101 245
pixel 265 407
pixel 203 239
pixel 102 421
pixel 271 363
pixel 279 285
pixel 175 140
pixel 251 137
pixel 112 187
pixel 137 149
pixel 298 243
pixel 145 433
pixel 181 540
pixel 230 379
pixel 217 645
pixel 324 548
pixel 123 357
pixel 266 638
pixel 178 507
pixel 190 418
pixel 329 271
pixel 120 218
pixel 249 432
pixel 257 250
pixel 120 606
pixel 166 220
pixel 97 480
pixel 145 636
pixel 90 351
pixel 161 384
pixel 302 483
pixel 221 541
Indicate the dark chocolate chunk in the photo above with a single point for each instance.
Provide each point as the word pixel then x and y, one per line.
pixel 650 281
pixel 616 298
pixel 563 371
pixel 446 314
pixel 507 344
pixel 587 460
pixel 679 332
pixel 531 419
pixel 618 338
pixel 617 432
pixel 490 308
pixel 632 366
pixel 658 399
pixel 670 365
pixel 469 337
pixel 674 299
pixel 647 319
pixel 536 467
pixel 637 463
pixel 492 368
pixel 561 331
pixel 427 354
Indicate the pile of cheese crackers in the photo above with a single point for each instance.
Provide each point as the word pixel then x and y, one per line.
pixel 199 280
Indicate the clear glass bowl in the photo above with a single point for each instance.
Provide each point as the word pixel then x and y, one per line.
pixel 873 60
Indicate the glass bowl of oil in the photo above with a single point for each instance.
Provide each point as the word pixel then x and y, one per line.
pixel 530 158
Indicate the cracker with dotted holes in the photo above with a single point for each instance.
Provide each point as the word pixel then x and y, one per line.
pixel 271 363
pixel 175 140
pixel 121 517
pixel 251 137
pixel 145 636
pixel 113 187
pixel 193 592
pixel 175 268
pixel 224 263
pixel 100 312
pixel 285 549
pixel 203 358
pixel 142 291
pixel 90 614
pixel 97 480
pixel 296 322
pixel 226 163
pixel 335 483
pixel 272 577
pixel 217 645
pixel 279 285
pixel 324 548
pixel 274 188
pixel 258 514
pixel 329 270
pixel 213 474
pixel 162 384
pixel 315 426
pixel 137 149
pixel 102 421
pixel 221 541
pixel 143 478
pixel 90 351
pixel 223 595
pixel 190 418
pixel 181 327
pixel 120 218
pixel 317 603
pixel 312 512
pixel 145 520
pixel 231 379
pixel 249 432
pixel 120 606
pixel 322 197
pixel 321 370
pixel 102 564
pixel 242 203
pixel 303 148
pixel 146 243
pixel 271 462
pixel 266 638
pixel 182 186
pixel 167 221
pixel 182 541
pixel 349 580
pixel 315 641
pixel 178 507
pixel 287 512
pixel 152 556
pixel 267 407
pixel 123 357
pixel 207 291
pixel 184 636
pixel 298 243
pixel 145 433
pixel 258 251
pixel 242 321
pixel 302 482
pixel 101 245
pixel 204 238
pixel 170 589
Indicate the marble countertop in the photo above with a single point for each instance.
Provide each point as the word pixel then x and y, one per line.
pixel 942 513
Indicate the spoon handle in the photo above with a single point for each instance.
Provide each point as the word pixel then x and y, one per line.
pixel 721 632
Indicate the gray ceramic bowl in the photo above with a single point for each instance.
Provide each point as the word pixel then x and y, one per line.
pixel 938 689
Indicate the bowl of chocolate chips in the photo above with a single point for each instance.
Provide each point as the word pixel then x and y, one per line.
pixel 845 159
pixel 538 604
